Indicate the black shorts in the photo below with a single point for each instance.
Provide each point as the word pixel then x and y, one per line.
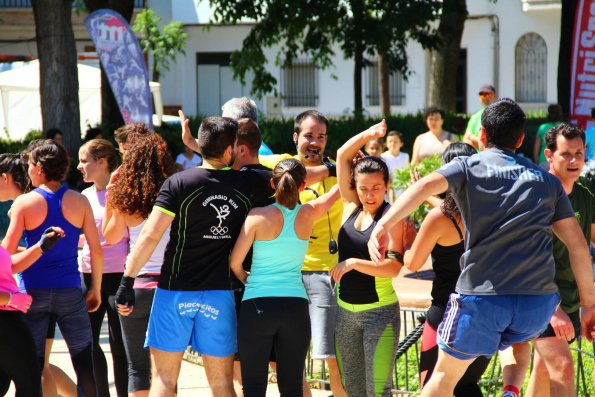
pixel 575 317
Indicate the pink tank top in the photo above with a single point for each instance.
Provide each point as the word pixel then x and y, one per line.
pixel 7 281
pixel 114 255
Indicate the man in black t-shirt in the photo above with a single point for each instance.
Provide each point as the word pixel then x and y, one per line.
pixel 248 143
pixel 194 302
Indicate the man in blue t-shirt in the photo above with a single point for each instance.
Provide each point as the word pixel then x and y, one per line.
pixel 506 292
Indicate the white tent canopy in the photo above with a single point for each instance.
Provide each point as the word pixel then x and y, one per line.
pixel 20 109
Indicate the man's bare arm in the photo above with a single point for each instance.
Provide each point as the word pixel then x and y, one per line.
pixel 569 231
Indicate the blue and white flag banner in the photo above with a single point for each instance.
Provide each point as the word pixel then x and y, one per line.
pixel 123 62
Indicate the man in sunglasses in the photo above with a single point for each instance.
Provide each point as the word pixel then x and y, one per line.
pixel 487 96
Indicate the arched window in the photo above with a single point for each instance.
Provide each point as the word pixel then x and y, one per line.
pixel 531 69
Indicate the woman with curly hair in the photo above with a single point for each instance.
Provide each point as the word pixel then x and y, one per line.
pixel 53 280
pixel 132 193
pixel 441 235
pixel 97 160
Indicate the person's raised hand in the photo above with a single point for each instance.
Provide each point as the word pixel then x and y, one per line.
pixel 414 174
pixel 185 123
pixel 377 130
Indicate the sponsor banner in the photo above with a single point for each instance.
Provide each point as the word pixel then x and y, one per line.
pixel 123 62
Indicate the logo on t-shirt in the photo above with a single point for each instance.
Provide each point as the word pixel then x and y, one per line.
pixel 514 172
pixel 222 206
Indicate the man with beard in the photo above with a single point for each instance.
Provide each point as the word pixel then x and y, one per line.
pixel 310 135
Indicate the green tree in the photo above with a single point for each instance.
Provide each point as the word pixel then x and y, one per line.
pixel 162 45
pixel 312 27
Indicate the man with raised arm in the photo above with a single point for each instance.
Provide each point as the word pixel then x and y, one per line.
pixel 506 292
pixel 310 136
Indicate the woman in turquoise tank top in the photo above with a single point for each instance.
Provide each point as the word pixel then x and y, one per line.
pixel 368 321
pixel 274 312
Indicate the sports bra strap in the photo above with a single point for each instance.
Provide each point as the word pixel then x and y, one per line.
pixel 454 222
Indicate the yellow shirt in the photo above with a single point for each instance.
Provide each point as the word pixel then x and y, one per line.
pixel 318 258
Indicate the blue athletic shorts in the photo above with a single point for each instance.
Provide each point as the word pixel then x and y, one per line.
pixel 478 325
pixel 206 320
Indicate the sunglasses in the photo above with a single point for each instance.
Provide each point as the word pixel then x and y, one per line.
pixel 484 93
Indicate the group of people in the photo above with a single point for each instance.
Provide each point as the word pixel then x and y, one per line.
pixel 253 260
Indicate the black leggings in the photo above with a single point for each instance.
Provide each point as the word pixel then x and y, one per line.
pixel 468 385
pixel 109 285
pixel 18 356
pixel 282 323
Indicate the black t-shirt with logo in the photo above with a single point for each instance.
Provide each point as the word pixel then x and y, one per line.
pixel 209 207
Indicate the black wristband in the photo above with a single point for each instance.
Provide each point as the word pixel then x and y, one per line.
pixel 332 167
pixel 395 255
pixel 127 281
pixel 45 242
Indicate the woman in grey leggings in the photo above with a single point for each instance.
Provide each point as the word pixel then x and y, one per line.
pixel 368 321
pixel 132 193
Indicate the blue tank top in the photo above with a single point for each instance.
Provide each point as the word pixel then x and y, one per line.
pixel 277 264
pixel 58 268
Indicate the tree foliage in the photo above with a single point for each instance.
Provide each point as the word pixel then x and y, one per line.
pixel 162 45
pixel 360 28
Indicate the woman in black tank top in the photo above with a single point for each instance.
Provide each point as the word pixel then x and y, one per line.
pixel 441 235
pixel 368 321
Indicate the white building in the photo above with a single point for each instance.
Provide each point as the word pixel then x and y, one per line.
pixel 512 44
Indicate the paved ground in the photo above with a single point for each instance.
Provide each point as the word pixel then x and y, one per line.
pixel 192 381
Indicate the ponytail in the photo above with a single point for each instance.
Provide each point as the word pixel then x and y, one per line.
pixel 288 176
